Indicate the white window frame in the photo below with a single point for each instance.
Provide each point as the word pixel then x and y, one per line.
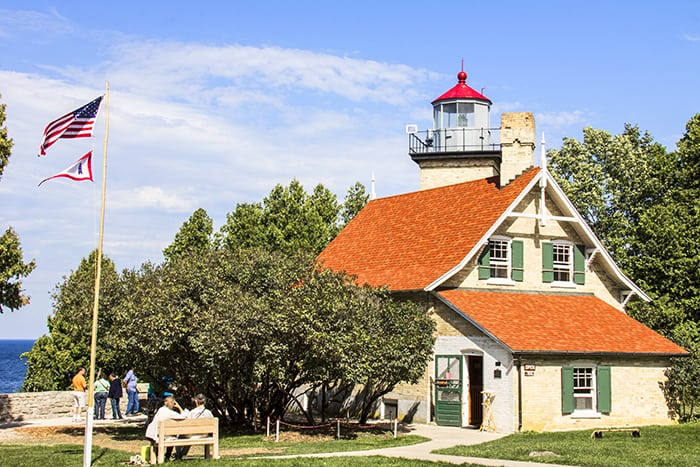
pixel 559 266
pixel 506 262
pixel 592 392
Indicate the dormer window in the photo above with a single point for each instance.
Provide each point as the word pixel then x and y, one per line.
pixel 501 262
pixel 563 263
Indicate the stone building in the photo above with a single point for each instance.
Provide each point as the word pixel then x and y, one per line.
pixel 529 306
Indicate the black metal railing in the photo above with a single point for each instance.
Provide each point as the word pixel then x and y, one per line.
pixel 455 140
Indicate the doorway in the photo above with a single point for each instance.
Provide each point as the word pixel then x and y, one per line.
pixel 475 371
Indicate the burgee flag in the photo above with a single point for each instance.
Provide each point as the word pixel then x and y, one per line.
pixel 79 123
pixel 81 170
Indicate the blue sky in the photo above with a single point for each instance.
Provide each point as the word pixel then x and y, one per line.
pixel 214 103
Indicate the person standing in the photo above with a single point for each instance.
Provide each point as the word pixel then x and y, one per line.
pixel 115 393
pixel 101 393
pixel 79 387
pixel 132 393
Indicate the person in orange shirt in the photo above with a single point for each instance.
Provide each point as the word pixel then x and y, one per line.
pixel 79 388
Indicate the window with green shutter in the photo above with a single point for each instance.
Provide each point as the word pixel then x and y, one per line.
pixel 585 390
pixel 502 260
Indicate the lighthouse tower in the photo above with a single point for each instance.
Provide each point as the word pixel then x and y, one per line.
pixel 462 146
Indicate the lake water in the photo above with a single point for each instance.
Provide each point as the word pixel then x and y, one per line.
pixel 12 369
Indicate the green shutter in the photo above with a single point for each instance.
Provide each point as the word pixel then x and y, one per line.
pixel 567 389
pixel 604 389
pixel 580 264
pixel 485 263
pixel 516 260
pixel 547 262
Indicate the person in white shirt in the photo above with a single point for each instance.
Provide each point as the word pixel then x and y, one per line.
pixel 170 410
pixel 199 411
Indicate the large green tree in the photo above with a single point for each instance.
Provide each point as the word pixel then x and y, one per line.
pixel 55 357
pixel 643 203
pixel 253 329
pixel 12 265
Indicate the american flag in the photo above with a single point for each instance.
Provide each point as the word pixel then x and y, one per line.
pixel 81 170
pixel 76 124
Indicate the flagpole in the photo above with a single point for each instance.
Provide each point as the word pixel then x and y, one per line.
pixel 87 454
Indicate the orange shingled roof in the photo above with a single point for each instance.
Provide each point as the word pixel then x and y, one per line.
pixel 558 323
pixel 408 241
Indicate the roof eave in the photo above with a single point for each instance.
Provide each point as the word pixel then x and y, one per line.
pixel 588 354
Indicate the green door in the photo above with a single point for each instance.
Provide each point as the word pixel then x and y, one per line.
pixel 448 390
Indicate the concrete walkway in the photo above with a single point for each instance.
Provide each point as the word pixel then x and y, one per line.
pixel 440 437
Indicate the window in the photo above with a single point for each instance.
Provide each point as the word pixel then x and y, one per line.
pixel 502 260
pixel 586 390
pixel 563 263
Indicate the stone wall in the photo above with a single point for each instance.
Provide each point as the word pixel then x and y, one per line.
pixel 20 406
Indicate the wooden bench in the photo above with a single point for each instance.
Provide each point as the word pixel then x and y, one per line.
pixel 194 431
pixel 635 432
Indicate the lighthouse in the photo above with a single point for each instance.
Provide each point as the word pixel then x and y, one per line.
pixel 462 145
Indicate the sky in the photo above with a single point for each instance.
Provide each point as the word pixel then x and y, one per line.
pixel 212 104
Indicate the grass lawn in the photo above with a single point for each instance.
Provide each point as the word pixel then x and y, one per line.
pixel 672 446
pixel 72 455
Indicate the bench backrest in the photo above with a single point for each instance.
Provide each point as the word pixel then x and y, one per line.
pixel 189 426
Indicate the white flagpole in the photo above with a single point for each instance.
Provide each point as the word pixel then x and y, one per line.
pixel 87 454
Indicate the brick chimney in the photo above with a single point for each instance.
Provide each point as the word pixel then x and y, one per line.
pixel 517 144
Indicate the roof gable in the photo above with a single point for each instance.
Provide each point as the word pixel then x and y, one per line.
pixel 557 323
pixel 407 242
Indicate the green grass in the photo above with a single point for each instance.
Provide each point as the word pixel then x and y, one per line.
pixel 672 446
pixel 72 455
pixel 361 441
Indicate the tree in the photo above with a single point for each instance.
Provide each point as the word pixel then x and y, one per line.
pixel 612 180
pixel 5 141
pixel 289 219
pixel 194 237
pixel 67 347
pixel 12 270
pixel 12 265
pixel 642 202
pixel 355 199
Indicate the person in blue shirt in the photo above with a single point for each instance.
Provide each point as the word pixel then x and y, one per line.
pixel 132 393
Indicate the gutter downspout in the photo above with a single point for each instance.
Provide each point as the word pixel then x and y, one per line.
pixel 518 363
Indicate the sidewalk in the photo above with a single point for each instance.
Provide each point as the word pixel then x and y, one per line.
pixel 440 437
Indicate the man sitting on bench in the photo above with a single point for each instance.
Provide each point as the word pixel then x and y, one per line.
pixel 171 410
pixel 199 411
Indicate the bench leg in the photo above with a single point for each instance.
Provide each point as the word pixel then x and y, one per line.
pixel 216 449
pixel 152 455
pixel 161 454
